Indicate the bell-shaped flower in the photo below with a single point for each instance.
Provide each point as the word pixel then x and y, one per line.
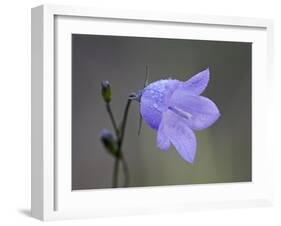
pixel 174 109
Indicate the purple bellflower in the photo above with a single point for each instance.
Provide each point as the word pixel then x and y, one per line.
pixel 174 109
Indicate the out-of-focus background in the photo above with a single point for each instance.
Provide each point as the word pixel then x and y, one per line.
pixel 224 150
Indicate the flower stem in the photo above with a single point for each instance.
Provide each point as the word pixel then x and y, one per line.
pixel 108 108
pixel 120 136
pixel 123 125
pixel 122 129
pixel 115 173
pixel 126 171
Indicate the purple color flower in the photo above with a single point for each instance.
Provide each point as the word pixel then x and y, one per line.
pixel 175 109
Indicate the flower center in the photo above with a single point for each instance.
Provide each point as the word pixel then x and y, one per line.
pixel 180 112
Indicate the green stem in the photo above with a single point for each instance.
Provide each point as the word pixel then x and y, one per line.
pixel 108 108
pixel 123 127
pixel 126 171
pixel 124 121
pixel 120 136
pixel 116 170
pixel 115 173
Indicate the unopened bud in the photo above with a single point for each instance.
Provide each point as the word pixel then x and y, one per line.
pixel 109 142
pixel 106 91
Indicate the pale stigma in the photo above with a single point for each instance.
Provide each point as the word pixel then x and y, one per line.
pixel 180 112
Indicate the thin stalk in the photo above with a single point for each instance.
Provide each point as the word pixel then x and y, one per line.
pixel 108 108
pixel 123 125
pixel 120 136
pixel 115 173
pixel 116 163
pixel 122 130
pixel 126 171
pixel 116 170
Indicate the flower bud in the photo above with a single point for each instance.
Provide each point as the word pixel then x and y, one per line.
pixel 109 142
pixel 106 91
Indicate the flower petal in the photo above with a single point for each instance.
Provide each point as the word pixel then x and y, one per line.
pixel 163 141
pixel 199 112
pixel 154 100
pixel 151 115
pixel 197 84
pixel 180 135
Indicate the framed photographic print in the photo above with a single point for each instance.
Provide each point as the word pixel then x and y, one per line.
pixel 136 112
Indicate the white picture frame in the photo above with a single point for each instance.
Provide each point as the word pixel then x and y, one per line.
pixel 52 197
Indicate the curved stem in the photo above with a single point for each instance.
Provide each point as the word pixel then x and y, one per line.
pixel 116 163
pixel 116 169
pixel 108 108
pixel 120 142
pixel 123 125
pixel 126 171
pixel 115 173
pixel 120 136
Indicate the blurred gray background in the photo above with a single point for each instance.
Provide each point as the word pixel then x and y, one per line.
pixel 223 150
